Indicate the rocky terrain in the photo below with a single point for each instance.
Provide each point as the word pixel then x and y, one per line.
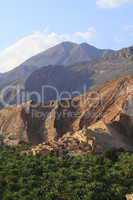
pixel 94 122
pixel 129 196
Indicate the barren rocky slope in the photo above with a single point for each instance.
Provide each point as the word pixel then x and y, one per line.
pixel 94 122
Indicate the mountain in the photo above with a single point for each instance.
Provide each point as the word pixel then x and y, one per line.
pixel 110 65
pixel 65 53
pixel 94 122
pixel 54 82
pixel 77 77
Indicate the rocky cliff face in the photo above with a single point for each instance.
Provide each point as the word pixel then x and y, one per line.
pixel 129 196
pixel 94 122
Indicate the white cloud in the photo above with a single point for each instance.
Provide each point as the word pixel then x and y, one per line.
pixel 35 43
pixel 112 3
pixel 86 35
pixel 26 48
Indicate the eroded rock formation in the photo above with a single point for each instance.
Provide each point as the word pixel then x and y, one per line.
pixel 93 122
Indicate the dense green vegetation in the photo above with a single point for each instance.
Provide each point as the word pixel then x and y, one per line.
pixel 91 177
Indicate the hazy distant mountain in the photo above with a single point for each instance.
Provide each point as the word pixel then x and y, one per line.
pixel 56 80
pixel 75 77
pixel 101 66
pixel 65 53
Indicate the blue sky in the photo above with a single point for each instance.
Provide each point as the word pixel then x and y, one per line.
pixel 21 18
pixel 103 23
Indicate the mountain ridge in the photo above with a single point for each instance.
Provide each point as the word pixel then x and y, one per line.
pixel 59 54
pixel 99 70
